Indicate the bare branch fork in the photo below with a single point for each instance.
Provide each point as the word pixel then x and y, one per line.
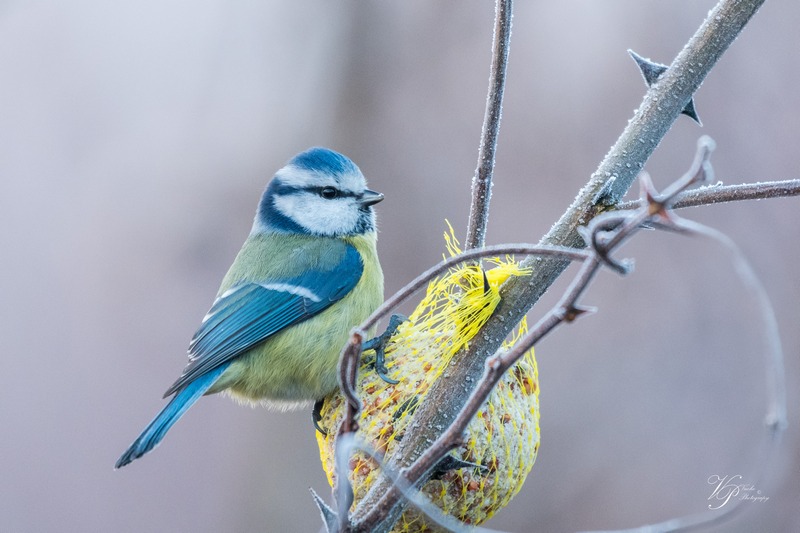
pixel 450 406
pixel 605 233
pixel 662 104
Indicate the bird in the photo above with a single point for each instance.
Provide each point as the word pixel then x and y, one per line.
pixel 307 273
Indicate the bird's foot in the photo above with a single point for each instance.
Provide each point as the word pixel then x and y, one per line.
pixel 379 345
pixel 316 416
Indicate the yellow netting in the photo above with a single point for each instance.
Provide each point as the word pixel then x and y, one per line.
pixel 505 434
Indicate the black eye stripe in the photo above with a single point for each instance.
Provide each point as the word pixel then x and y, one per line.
pixel 339 193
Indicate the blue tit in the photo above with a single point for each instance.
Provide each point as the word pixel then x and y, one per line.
pixel 307 273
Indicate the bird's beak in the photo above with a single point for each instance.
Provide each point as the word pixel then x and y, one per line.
pixel 370 198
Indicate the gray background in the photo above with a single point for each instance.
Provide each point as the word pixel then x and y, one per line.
pixel 136 138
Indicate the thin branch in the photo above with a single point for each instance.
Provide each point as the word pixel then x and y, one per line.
pixel 348 372
pixel 482 182
pixel 559 252
pixel 661 106
pixel 775 420
pixel 717 194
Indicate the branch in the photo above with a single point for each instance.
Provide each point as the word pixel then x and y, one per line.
pixel 482 182
pixel 543 250
pixel 606 233
pixel 775 420
pixel 661 106
pixel 717 194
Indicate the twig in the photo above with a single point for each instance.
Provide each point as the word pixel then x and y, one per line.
pixel 482 182
pixel 566 310
pixel 775 420
pixel 348 371
pixel 559 252
pixel 717 194
pixel 661 106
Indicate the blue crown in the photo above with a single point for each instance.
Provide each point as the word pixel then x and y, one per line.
pixel 319 159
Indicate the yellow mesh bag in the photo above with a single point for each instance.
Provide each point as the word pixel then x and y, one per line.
pixel 503 437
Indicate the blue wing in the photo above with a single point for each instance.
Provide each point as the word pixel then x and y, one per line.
pixel 249 313
pixel 244 316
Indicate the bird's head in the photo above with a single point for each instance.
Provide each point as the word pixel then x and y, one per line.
pixel 319 192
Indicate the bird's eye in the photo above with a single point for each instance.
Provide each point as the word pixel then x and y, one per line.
pixel 329 193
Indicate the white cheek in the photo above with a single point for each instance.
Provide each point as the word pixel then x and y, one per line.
pixel 323 217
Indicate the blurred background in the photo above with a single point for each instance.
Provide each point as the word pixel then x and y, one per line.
pixel 136 138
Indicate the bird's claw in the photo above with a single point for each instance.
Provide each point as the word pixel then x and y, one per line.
pixel 316 416
pixel 379 345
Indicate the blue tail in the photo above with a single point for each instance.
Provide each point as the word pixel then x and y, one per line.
pixel 180 403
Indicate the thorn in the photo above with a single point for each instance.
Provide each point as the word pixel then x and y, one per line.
pixel 486 286
pixel 574 311
pixel 690 111
pixel 652 71
pixel 409 405
pixel 451 462
pixel 329 517
pixel 606 195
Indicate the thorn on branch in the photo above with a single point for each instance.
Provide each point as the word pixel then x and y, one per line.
pixel 328 515
pixel 451 462
pixel 408 406
pixel 606 195
pixel 572 312
pixel 652 71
